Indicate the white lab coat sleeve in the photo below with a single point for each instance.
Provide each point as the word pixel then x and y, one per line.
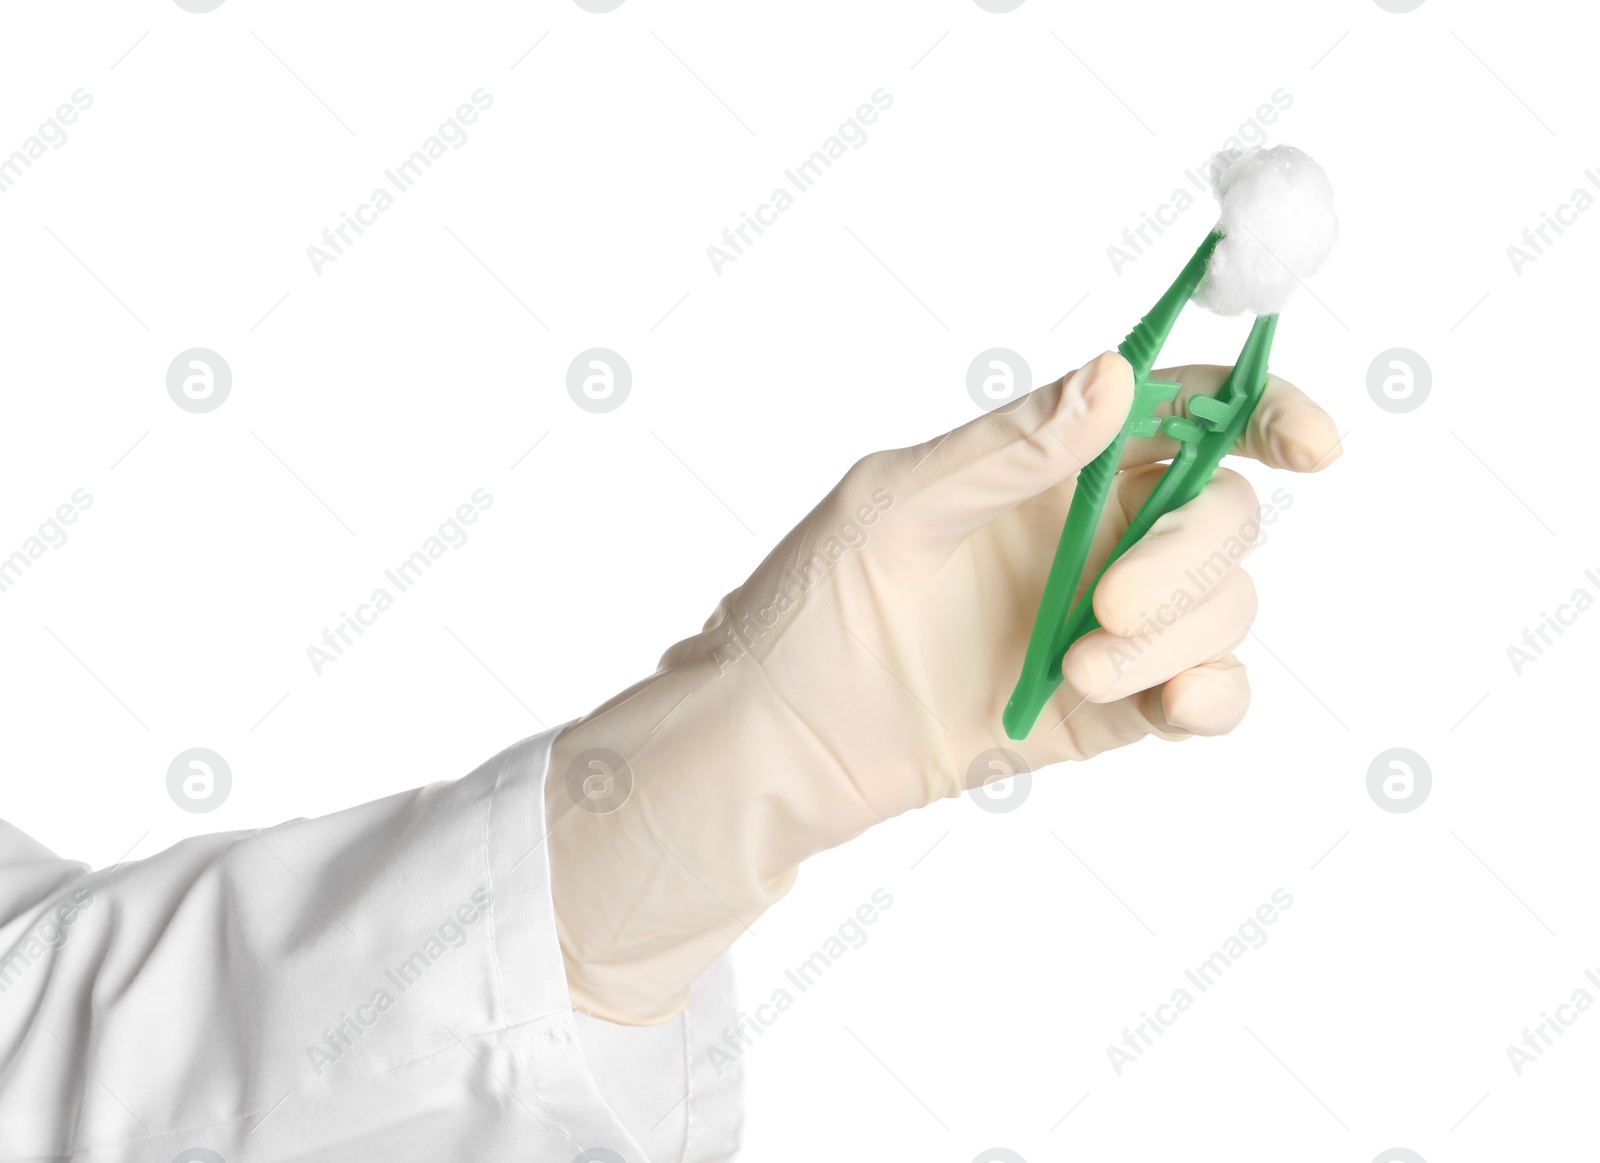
pixel 380 984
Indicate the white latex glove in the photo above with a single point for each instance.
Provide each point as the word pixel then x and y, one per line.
pixel 863 667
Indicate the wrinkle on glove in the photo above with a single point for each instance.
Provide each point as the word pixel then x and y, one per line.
pixel 861 671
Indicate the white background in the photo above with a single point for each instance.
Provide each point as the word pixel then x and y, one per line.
pixel 372 399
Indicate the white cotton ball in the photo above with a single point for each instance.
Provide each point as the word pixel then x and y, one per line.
pixel 1278 226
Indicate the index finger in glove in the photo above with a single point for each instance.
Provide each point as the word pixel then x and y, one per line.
pixel 1287 430
pixel 1183 559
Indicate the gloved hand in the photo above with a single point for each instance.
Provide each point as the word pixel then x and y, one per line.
pixel 864 665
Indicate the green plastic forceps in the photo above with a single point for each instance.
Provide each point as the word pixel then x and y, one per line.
pixel 1212 428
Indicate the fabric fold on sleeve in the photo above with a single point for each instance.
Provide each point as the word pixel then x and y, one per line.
pixel 381 983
